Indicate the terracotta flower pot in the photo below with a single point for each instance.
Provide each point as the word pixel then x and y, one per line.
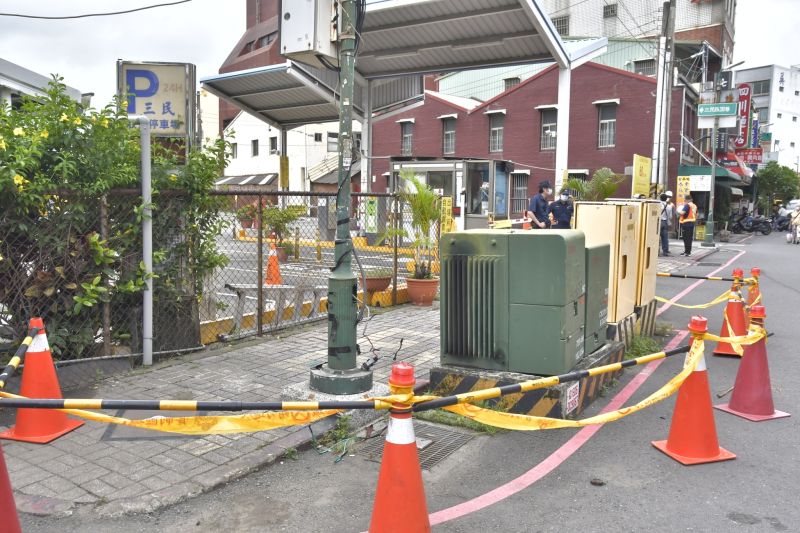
pixel 378 284
pixel 422 291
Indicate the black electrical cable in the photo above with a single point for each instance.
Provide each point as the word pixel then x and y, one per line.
pixel 88 15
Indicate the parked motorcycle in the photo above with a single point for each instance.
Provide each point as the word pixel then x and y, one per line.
pixel 751 224
pixel 781 223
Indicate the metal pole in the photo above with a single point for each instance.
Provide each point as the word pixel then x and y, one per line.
pixel 709 238
pixel 106 304
pixel 341 374
pixel 260 280
pixel 147 240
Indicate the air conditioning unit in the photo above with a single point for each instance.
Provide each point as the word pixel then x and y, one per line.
pixel 513 300
pixel 308 31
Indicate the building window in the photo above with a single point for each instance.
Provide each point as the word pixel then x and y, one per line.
pixel 254 147
pixel 780 89
pixel 509 83
pixel 797 93
pixel 317 137
pixel 519 192
pixel 273 145
pixel 496 121
pixel 607 132
pixel 562 25
pixel 794 119
pixel 549 129
pixel 763 115
pixel 449 136
pixel 777 143
pixel 406 138
pixel 645 67
pixel 247 48
pixel 780 115
pixel 760 87
pixel 609 11
pixel 333 142
pixel 791 145
pixel 267 39
pixel 234 150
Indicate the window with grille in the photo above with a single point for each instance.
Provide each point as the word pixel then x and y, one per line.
pixel 406 138
pixel 609 11
pixel 273 145
pixel 254 147
pixel 760 87
pixel 317 137
pixel 607 132
pixel 333 142
pixel 496 121
pixel 549 129
pixel 562 25
pixel 449 136
pixel 234 150
pixel 763 115
pixel 509 83
pixel 519 193
pixel 645 67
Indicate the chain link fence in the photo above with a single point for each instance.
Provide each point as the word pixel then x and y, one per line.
pixel 78 265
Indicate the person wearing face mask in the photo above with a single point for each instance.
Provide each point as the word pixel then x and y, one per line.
pixel 537 209
pixel 667 214
pixel 560 211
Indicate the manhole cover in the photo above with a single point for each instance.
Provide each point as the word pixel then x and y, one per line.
pixel 709 264
pixel 434 444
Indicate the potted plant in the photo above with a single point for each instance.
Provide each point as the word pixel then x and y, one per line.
pixel 378 279
pixel 247 215
pixel 277 220
pixel 425 207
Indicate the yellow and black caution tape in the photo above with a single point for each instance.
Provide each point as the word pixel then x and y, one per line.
pixel 724 297
pixel 745 281
pixel 13 364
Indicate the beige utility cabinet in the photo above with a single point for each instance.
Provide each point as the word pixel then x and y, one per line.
pixel 648 214
pixel 615 224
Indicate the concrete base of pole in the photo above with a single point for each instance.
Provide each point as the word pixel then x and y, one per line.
pixel 361 417
pixel 340 382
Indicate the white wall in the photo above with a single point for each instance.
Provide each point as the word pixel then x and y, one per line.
pixel 303 150
pixel 209 115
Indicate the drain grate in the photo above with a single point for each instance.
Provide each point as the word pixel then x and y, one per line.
pixel 434 444
pixel 709 264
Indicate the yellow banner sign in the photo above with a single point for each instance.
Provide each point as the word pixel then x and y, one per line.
pixel 641 175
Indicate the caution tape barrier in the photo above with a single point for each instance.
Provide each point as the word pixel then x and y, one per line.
pixel 285 414
pixel 724 297
pixel 744 281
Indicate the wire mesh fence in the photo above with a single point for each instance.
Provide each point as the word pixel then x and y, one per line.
pixel 78 264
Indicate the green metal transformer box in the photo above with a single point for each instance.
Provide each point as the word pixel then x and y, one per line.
pixel 597 265
pixel 513 300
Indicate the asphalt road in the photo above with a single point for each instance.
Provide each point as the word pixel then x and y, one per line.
pixel 640 488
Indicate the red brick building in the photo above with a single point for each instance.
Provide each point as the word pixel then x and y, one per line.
pixel 611 119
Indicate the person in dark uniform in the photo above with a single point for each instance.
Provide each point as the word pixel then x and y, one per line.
pixel 560 212
pixel 537 209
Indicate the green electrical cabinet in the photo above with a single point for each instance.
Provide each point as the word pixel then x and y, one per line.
pixel 513 300
pixel 597 265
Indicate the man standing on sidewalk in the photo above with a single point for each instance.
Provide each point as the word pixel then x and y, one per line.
pixel 667 215
pixel 688 212
pixel 537 210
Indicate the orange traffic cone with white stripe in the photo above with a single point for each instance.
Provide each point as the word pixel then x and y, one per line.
pixel 752 391
pixel 39 380
pixel 693 435
pixel 734 321
pixel 8 508
pixel 400 498
pixel 273 267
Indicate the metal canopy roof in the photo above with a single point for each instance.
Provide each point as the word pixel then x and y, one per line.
pixel 414 36
pixel 284 95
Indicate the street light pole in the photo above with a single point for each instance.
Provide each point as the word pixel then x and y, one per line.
pixel 341 375
pixel 709 237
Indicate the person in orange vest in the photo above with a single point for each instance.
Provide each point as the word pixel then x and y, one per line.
pixel 688 216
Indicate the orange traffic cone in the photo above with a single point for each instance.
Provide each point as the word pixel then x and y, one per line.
pixel 273 267
pixel 753 291
pixel 400 498
pixel 693 435
pixel 39 380
pixel 8 508
pixel 752 391
pixel 733 318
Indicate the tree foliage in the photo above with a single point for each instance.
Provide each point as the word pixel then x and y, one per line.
pixel 58 164
pixel 777 182
pixel 604 183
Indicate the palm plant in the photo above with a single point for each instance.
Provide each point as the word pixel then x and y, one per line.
pixel 425 207
pixel 604 183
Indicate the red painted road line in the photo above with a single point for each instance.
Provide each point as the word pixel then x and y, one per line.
pixel 694 285
pixel 557 457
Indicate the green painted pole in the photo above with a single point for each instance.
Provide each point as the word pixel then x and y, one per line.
pixel 341 375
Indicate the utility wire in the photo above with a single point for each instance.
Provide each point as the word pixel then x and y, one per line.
pixel 88 15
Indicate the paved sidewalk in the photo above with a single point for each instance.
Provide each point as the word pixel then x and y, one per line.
pixel 675 261
pixel 116 469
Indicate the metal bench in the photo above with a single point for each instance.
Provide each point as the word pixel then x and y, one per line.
pixel 285 294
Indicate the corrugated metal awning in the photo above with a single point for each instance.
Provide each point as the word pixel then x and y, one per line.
pixel 247 179
pixel 285 95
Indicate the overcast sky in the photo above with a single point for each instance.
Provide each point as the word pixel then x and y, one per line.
pixel 203 32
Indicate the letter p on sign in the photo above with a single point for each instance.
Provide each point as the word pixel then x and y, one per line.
pixel 140 84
